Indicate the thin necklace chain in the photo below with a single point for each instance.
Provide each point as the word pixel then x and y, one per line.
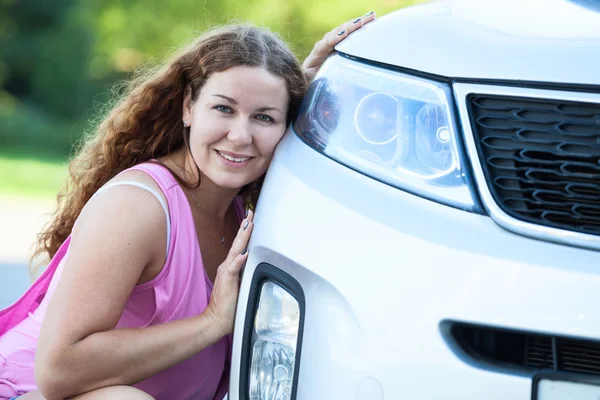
pixel 198 205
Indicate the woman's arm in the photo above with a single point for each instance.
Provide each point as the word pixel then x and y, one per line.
pixel 324 47
pixel 118 235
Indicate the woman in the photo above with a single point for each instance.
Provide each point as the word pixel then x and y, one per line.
pixel 139 299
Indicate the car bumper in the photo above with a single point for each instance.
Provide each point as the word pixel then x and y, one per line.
pixel 382 270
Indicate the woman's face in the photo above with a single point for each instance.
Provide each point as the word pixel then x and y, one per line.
pixel 236 122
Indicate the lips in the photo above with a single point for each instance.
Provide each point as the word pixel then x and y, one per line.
pixel 233 157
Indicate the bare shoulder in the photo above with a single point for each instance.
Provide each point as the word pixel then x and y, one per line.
pixel 139 177
pixel 127 212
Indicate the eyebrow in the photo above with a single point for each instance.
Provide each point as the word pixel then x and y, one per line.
pixel 262 109
pixel 229 99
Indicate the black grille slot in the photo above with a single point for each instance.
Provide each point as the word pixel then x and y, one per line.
pixel 538 352
pixel 580 356
pixel 527 351
pixel 541 158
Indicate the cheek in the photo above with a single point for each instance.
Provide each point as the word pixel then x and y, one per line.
pixel 206 133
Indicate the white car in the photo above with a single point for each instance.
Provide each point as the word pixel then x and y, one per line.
pixel 430 225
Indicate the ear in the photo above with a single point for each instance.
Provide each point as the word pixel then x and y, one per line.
pixel 188 102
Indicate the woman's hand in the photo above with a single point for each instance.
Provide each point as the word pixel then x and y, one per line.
pixel 325 46
pixel 223 299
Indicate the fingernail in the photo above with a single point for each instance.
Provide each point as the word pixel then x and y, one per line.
pixel 245 251
pixel 356 20
pixel 340 33
pixel 246 213
pixel 246 222
pixel 369 14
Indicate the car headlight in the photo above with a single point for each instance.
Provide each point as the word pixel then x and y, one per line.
pixel 394 127
pixel 273 344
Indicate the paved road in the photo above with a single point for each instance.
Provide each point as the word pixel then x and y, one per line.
pixel 14 280
pixel 20 222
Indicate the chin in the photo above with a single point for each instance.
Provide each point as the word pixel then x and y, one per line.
pixel 227 181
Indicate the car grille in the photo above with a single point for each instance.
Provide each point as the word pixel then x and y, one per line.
pixel 527 351
pixel 541 158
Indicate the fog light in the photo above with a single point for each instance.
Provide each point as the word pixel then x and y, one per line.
pixel 274 341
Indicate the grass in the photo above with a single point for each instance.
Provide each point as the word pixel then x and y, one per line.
pixel 30 177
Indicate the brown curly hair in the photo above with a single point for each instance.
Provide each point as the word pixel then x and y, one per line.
pixel 146 123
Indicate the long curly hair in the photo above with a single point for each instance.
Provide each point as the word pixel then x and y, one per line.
pixel 146 122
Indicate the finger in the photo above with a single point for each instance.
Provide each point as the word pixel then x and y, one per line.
pixel 243 236
pixel 358 23
pixel 241 240
pixel 325 46
pixel 341 32
pixel 369 17
pixel 237 264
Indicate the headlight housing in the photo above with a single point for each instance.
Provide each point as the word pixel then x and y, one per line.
pixel 274 344
pixel 394 127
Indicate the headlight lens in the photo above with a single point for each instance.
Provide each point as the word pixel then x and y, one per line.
pixel 391 126
pixel 274 341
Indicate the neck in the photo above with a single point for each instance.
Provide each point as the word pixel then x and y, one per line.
pixel 213 201
pixel 210 198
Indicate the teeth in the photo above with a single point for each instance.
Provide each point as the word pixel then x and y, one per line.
pixel 238 160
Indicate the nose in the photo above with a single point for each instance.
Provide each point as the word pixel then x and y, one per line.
pixel 240 133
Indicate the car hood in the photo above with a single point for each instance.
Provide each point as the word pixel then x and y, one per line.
pixel 555 41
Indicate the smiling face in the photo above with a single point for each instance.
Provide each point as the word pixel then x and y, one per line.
pixel 236 122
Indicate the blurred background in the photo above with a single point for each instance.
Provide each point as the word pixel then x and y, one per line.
pixel 59 63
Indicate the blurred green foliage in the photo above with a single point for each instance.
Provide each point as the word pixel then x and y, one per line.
pixel 60 58
pixel 24 177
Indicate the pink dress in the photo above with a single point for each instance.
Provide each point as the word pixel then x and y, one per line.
pixel 182 289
